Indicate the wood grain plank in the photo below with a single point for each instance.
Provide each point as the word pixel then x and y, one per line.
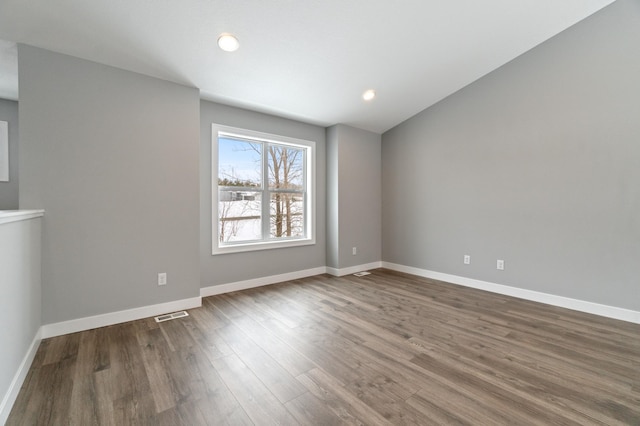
pixel 257 401
pixel 309 410
pixel 277 379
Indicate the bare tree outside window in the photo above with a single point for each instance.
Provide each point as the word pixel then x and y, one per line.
pixel 237 214
pixel 251 174
pixel 286 178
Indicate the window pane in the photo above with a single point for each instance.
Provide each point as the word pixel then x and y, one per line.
pixel 287 215
pixel 239 216
pixel 263 190
pixel 286 167
pixel 239 162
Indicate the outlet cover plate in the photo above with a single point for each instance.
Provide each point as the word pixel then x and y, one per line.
pixel 162 278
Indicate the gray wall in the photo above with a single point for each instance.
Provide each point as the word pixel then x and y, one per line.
pixel 537 163
pixel 112 156
pixel 19 296
pixel 233 267
pixel 333 201
pixel 354 205
pixel 9 190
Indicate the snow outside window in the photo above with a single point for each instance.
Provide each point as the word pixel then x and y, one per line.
pixel 262 190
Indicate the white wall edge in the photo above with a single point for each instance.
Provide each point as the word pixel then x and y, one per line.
pixel 8 216
pixel 259 282
pixel 88 323
pixel 14 388
pixel 535 296
pixel 353 269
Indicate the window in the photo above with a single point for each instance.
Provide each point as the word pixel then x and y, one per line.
pixel 263 193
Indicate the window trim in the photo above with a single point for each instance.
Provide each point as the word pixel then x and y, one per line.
pixel 310 206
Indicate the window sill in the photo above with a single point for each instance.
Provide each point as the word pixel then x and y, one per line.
pixel 262 245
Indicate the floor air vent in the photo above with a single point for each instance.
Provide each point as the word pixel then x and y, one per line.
pixel 362 274
pixel 167 317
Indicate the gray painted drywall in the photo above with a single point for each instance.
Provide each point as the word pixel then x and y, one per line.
pixel 9 190
pixel 354 200
pixel 537 163
pixel 233 267
pixel 19 296
pixel 333 202
pixel 112 156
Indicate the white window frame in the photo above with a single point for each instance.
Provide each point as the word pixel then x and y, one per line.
pixel 310 205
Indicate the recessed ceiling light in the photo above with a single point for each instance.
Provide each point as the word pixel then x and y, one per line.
pixel 228 42
pixel 369 95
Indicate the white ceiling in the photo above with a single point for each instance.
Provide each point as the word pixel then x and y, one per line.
pixel 305 59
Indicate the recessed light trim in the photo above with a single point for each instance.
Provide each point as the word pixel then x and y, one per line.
pixel 228 42
pixel 369 95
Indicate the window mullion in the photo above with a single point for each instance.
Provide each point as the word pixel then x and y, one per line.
pixel 266 196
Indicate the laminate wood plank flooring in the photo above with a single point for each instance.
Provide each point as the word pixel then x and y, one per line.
pixel 384 349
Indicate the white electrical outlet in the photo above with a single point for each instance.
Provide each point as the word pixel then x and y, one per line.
pixel 354 250
pixel 162 278
pixel 467 259
pixel 500 265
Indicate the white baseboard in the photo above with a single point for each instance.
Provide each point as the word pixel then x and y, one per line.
pixel 18 379
pixel 259 282
pixel 88 323
pixel 81 324
pixel 535 296
pixel 353 269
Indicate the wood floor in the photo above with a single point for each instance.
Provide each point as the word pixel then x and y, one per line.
pixel 387 348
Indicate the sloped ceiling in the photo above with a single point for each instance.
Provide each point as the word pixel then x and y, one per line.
pixel 310 60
